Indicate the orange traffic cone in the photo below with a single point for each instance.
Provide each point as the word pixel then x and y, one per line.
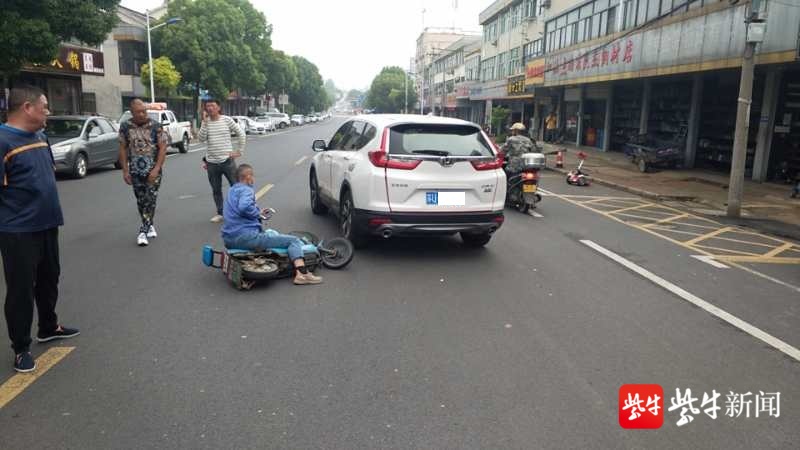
pixel 560 159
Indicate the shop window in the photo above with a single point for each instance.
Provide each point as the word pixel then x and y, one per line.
pixel 88 103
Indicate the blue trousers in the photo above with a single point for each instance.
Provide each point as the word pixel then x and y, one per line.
pixel 264 240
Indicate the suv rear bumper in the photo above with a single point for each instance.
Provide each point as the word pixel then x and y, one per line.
pixel 404 224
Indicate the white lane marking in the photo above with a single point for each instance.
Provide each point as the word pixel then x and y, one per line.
pixel 766 277
pixel 697 301
pixel 263 191
pixel 711 261
pixel 535 214
pixel 197 149
pixel 300 161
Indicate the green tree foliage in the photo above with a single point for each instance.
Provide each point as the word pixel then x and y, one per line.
pixel 165 76
pixel 211 47
pixel 500 117
pixel 282 76
pixel 387 94
pixel 31 30
pixel 333 92
pixel 309 94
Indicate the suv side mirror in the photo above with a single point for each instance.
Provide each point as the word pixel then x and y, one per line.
pixel 319 145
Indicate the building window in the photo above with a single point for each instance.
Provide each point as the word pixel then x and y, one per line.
pixel 88 103
pixel 530 8
pixel 132 55
pixel 502 67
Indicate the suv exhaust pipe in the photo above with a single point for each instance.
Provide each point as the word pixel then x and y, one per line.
pixel 387 234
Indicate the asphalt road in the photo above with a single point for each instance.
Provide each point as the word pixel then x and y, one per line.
pixel 418 344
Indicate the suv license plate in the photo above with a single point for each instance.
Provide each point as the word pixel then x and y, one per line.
pixel 446 198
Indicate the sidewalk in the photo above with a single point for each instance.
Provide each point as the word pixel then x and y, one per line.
pixel 765 206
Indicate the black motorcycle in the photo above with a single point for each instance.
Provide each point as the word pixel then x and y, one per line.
pixel 522 187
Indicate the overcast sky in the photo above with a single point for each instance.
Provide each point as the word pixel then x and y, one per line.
pixel 351 40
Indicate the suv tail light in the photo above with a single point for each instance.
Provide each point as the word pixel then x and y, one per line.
pixel 379 158
pixel 496 163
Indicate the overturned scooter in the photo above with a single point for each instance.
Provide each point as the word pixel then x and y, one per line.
pixel 243 268
pixel 578 177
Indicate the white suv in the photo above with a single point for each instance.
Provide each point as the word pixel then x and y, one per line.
pixel 391 175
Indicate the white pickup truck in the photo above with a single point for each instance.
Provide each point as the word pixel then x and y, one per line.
pixel 179 132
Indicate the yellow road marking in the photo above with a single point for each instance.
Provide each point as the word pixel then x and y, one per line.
pixel 758 259
pixel 631 208
pixel 744 242
pixel 19 382
pixel 651 219
pixel 708 235
pixel 720 249
pixel 707 227
pixel 263 191
pixel 668 230
pixel 778 250
pixel 668 219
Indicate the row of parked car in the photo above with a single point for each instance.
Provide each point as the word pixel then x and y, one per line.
pixel 274 120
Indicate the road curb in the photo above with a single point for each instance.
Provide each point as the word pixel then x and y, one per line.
pixel 632 190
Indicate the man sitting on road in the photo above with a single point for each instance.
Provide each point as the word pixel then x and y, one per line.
pixel 515 146
pixel 242 226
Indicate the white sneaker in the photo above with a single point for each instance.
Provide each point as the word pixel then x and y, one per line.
pixel 151 233
pixel 141 241
pixel 217 219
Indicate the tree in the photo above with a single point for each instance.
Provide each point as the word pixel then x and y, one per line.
pixel 333 92
pixel 210 46
pixel 281 73
pixel 31 31
pixel 500 116
pixel 387 94
pixel 309 93
pixel 165 76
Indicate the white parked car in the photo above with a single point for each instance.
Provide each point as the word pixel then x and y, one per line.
pixel 391 175
pixel 281 120
pixel 254 127
pixel 241 122
pixel 298 119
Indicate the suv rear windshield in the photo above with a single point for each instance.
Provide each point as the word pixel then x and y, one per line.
pixel 438 140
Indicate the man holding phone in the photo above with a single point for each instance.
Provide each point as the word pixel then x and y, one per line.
pixel 221 153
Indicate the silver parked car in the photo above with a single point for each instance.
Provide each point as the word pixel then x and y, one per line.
pixel 82 142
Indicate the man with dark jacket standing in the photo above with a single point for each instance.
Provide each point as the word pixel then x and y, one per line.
pixel 30 214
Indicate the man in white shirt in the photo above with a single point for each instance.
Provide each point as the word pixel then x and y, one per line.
pixel 221 152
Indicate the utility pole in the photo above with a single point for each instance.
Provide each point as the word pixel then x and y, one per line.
pixel 755 34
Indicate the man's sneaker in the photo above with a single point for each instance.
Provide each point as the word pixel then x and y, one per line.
pixel 307 278
pixel 217 219
pixel 24 362
pixel 141 241
pixel 59 333
pixel 151 233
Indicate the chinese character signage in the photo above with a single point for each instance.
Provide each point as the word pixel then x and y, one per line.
pixel 615 57
pixel 534 72
pixel 516 85
pixel 75 60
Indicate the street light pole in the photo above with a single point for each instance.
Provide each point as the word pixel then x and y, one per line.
pixel 150 49
pixel 150 58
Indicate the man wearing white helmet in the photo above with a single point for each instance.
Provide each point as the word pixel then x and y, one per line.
pixel 515 146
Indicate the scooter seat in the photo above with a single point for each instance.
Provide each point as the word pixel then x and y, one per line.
pixel 237 251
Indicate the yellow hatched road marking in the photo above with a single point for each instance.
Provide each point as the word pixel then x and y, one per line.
pixel 19 382
pixel 650 219
pixel 263 191
pixel 668 230
pixel 708 235
pixel 758 259
pixel 668 219
pixel 631 208
pixel 719 249
pixel 778 250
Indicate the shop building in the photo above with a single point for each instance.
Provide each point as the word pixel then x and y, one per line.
pixel 614 69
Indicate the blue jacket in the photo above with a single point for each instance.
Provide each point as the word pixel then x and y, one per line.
pixel 28 192
pixel 241 212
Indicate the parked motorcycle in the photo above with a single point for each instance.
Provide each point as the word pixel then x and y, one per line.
pixel 522 187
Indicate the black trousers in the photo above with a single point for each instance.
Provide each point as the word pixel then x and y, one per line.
pixel 215 174
pixel 31 266
pixel 146 197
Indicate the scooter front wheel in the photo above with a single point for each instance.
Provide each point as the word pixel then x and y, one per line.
pixel 336 253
